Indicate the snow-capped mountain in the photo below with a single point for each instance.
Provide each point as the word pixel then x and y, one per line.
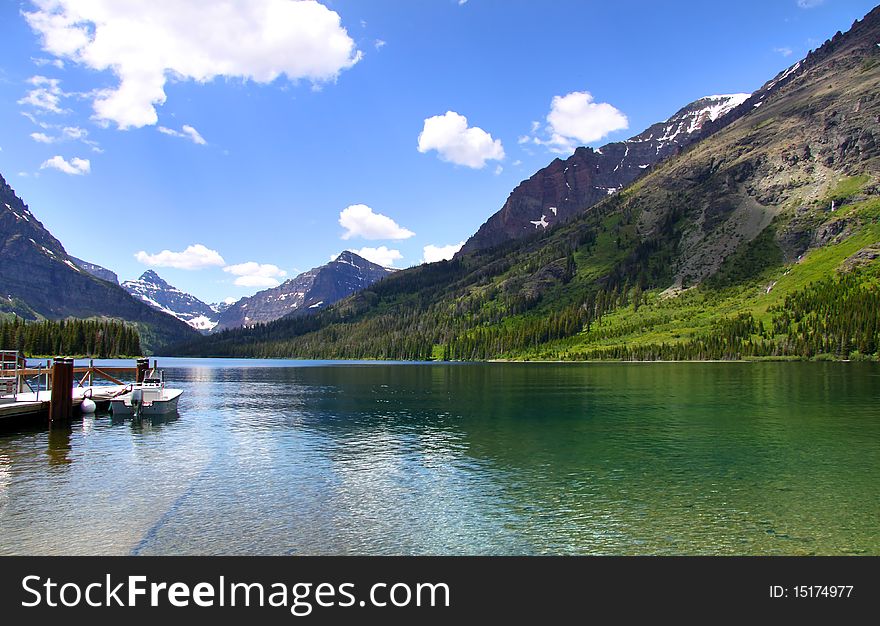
pixel 306 293
pixel 566 188
pixel 157 293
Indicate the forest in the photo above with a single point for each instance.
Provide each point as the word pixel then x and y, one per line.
pixel 72 337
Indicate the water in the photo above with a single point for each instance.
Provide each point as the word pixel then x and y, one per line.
pixel 295 457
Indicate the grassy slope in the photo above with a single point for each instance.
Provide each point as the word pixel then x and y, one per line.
pixel 692 313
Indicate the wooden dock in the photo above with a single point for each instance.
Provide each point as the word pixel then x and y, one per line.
pixel 58 401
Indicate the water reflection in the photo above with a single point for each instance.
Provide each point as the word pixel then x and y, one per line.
pixel 467 459
pixel 59 446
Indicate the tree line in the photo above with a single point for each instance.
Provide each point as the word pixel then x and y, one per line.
pixel 93 338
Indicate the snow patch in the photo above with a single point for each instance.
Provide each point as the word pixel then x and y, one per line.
pixel 201 323
pixel 541 223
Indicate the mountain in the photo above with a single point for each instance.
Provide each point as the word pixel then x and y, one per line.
pixel 760 240
pixel 38 279
pixel 219 307
pixel 96 270
pixel 160 295
pixel 306 293
pixel 566 188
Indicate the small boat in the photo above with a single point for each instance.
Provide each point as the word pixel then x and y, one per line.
pixel 150 397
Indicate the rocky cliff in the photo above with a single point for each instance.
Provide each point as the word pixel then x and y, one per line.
pixel 568 187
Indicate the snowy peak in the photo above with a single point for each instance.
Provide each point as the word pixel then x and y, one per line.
pixel 152 279
pixel 153 290
pixel 306 293
pixel 678 129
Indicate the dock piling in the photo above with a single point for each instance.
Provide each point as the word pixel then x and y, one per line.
pixel 61 402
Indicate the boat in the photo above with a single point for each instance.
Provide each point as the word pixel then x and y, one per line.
pixel 150 397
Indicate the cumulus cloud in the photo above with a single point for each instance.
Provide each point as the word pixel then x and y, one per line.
pixel 146 42
pixel 185 132
pixel 75 167
pixel 42 138
pixel 195 257
pixel 359 220
pixel 253 274
pixel 576 119
pixel 381 255
pixel 455 142
pixel 45 96
pixel 432 253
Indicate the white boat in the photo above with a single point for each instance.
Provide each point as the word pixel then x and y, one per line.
pixel 150 397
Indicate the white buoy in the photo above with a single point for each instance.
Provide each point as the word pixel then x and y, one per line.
pixel 88 405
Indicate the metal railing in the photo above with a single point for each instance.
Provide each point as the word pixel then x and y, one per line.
pixel 11 363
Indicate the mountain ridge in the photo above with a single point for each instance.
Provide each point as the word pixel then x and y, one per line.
pixel 306 293
pixel 729 248
pixel 553 195
pixel 156 292
pixel 38 279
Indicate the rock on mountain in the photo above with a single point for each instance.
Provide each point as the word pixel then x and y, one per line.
pixel 96 270
pixel 160 295
pixel 219 307
pixel 38 279
pixel 566 188
pixel 306 293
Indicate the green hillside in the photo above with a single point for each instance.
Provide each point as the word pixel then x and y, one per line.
pixel 762 240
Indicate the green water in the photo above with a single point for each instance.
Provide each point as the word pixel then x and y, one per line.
pixel 275 457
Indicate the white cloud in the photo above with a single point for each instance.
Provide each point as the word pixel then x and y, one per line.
pixel 450 136
pixel 185 132
pixel 68 132
pixel 498 170
pixel 53 62
pixel 432 253
pixel 381 255
pixel 379 44
pixel 76 166
pixel 230 300
pixel 46 94
pixel 809 4
pixel 74 132
pixel 358 220
pixel 195 257
pixel 784 51
pixel 146 42
pixel 576 119
pixel 253 274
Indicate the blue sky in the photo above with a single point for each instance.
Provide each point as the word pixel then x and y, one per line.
pixel 133 128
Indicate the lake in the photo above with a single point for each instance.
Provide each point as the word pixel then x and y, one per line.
pixel 300 457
